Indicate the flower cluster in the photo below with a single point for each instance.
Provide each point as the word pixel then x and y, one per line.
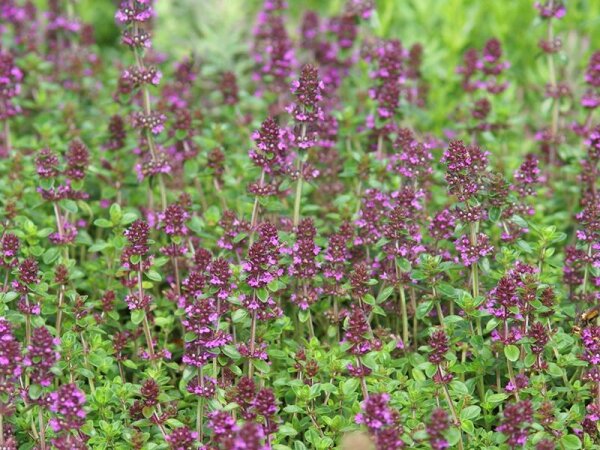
pixel 382 422
pixel 67 405
pixel 514 426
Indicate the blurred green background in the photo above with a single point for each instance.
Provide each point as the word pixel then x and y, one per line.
pixel 219 33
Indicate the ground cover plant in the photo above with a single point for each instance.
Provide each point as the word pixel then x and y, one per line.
pixel 324 225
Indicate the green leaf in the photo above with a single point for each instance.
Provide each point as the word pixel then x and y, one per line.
pixel 154 275
pixel 494 214
pixel 349 386
pixel 51 255
pixel 261 365
pixel 115 213
pixel 287 430
pixel 137 316
pixel 35 391
pixel 467 426
pixel 293 409
pixel 512 352
pixel 231 351
pixel 263 295
pixel 384 294
pixel 524 246
pixel 238 315
pixel 103 223
pixel 470 412
pixel 128 218
pixel 570 441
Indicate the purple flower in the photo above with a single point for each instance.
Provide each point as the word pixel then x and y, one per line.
pixel 41 356
pixel 590 337
pixel 306 111
pixel 442 225
pixel 357 333
pixel 173 220
pixel 9 249
pixel 271 147
pixel 273 51
pixel 527 176
pixel 134 301
pixel 304 252
pixel 222 425
pixel 46 164
pixel 182 438
pixel 517 417
pixel 471 253
pixel 10 358
pixel 520 382
pixel 466 166
pixel 438 423
pixel 137 235
pixel 551 9
pixel 78 158
pixel 229 89
pixel 359 8
pixel 139 76
pixel 262 265
pixel 219 276
pixel 388 77
pixel 28 271
pixel 67 405
pixel 205 387
pixel 438 341
pixel 382 422
pixel 337 256
pixel 155 121
pixel 10 85
pixel 136 11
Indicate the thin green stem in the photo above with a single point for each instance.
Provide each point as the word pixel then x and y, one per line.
pixel 404 315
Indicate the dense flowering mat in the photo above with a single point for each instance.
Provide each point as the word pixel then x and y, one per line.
pixel 305 251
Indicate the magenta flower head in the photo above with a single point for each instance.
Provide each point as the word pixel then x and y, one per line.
pixel 471 253
pixel 222 424
pixel 10 85
pixel 9 249
pixel 78 159
pixel 173 220
pixel 551 9
pixel 438 423
pixel 137 236
pixel 362 9
pixel 67 405
pixel 47 164
pixel 442 225
pixel 229 89
pixel 262 265
pixel 134 12
pixel 28 271
pixel 438 341
pixel 527 176
pixel 10 358
pixel 306 110
pixel 357 332
pixel 182 438
pixel 382 422
pixel 592 72
pixel 41 356
pixel 270 146
pixel 304 264
pixel 591 98
pixel 273 50
pixel 517 417
pixel 466 168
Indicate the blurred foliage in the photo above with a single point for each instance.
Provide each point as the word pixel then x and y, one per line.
pixel 219 32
